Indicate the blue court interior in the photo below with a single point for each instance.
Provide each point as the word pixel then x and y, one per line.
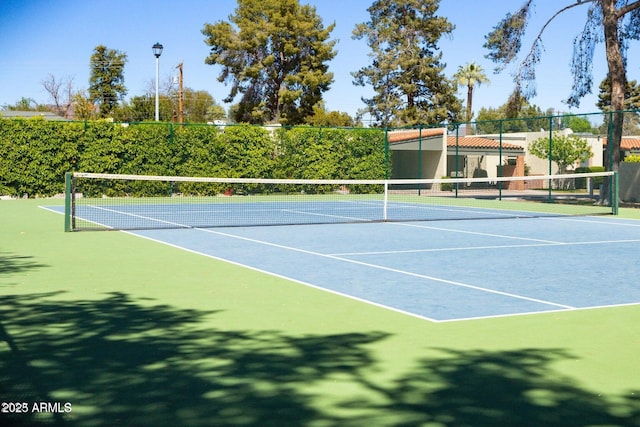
pixel 442 270
pixel 437 270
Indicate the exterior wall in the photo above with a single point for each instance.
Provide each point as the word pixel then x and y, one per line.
pixel 406 159
pixel 536 165
pixel 405 164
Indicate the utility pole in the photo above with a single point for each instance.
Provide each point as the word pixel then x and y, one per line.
pixel 180 95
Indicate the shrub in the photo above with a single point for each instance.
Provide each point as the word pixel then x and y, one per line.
pixel 35 154
pixel 446 186
pixel 581 183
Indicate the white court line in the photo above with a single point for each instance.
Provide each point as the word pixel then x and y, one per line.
pixel 328 215
pixel 453 230
pixel 489 212
pixel 280 276
pixel 616 221
pixel 393 270
pixel 146 218
pixel 494 316
pixel 471 248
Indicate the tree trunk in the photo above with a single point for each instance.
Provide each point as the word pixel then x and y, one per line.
pixel 469 110
pixel 618 78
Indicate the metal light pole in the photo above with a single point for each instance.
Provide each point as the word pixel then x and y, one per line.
pixel 157 51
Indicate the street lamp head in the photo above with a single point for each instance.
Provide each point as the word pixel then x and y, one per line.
pixel 157 50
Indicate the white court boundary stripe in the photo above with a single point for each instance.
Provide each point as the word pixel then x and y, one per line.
pixel 393 270
pixel 625 222
pixel 494 316
pixel 471 248
pixel 280 276
pixel 479 233
pixel 146 218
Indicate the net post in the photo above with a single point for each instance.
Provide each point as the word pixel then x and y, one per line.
pixel 67 201
pixel 386 200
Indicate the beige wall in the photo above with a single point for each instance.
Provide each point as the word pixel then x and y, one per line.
pixel 406 163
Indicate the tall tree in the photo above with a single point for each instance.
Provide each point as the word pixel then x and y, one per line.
pixel 613 21
pixel 274 53
pixel 470 75
pixel 106 81
pixel 406 72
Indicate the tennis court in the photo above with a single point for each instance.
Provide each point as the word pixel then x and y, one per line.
pixel 134 331
pixel 399 250
pixel 445 270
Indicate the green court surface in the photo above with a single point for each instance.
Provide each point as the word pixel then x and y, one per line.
pixel 109 329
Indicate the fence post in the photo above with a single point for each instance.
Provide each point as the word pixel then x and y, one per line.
pixel 386 153
pixel 614 193
pixel 500 159
pixel 419 158
pixel 549 195
pixel 457 158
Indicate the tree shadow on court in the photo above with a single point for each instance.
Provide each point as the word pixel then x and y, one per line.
pixel 125 361
pixel 503 388
pixel 13 263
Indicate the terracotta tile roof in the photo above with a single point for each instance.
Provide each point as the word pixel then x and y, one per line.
pixel 626 144
pixel 480 143
pixel 463 142
pixel 411 134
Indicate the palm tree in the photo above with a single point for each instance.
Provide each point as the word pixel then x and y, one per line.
pixel 470 75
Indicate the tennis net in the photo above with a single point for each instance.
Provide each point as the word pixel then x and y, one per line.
pixel 126 202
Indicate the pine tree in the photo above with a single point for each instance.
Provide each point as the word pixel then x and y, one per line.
pixel 406 72
pixel 106 81
pixel 274 53
pixel 613 22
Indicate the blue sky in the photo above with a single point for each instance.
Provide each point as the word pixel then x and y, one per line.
pixel 42 37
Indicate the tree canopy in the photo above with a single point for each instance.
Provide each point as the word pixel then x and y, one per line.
pixel 565 150
pixel 406 71
pixel 106 81
pixel 274 53
pixel 614 22
pixel 470 75
pixel 526 118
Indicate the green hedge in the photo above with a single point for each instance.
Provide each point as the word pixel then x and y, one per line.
pixel 35 154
